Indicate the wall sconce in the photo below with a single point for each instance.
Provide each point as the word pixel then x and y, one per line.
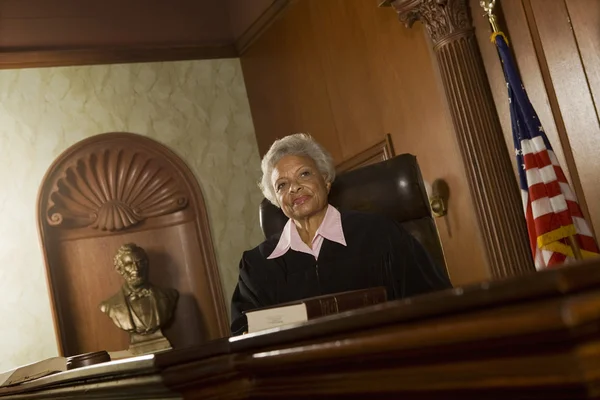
pixel 438 194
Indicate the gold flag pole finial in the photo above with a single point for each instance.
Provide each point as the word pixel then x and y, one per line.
pixel 488 7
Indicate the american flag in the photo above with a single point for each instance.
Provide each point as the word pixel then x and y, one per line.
pixel 551 209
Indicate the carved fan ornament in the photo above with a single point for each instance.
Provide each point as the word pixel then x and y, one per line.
pixel 111 190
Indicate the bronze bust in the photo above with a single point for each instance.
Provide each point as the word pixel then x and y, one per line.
pixel 139 307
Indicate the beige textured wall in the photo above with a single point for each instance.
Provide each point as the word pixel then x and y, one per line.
pixel 199 109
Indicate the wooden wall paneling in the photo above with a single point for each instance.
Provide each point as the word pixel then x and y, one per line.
pixel 478 131
pixel 575 100
pixel 343 52
pixel 413 109
pixel 113 189
pixel 340 68
pixel 585 21
pixel 381 151
pixel 286 84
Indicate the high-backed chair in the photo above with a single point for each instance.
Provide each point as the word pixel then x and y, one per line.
pixel 393 188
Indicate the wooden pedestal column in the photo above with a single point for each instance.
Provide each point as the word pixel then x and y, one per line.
pixel 491 178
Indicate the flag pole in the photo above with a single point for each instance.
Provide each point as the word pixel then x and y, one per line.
pixel 488 7
pixel 575 247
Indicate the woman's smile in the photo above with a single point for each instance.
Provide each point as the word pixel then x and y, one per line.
pixel 298 201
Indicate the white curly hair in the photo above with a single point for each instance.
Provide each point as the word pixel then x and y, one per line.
pixel 298 144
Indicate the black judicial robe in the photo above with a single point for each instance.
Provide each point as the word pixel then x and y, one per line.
pixel 379 252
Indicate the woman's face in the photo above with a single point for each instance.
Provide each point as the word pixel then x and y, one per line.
pixel 299 187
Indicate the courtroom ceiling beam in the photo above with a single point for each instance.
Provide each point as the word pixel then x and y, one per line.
pixel 492 182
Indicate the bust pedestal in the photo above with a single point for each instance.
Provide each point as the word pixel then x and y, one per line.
pixel 144 344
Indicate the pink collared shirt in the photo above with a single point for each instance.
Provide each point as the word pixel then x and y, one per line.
pixel 330 229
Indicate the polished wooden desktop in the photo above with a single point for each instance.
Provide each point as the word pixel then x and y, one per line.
pixel 533 337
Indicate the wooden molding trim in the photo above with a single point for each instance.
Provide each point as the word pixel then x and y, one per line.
pixel 36 58
pixel 493 187
pixel 263 22
pixel 379 152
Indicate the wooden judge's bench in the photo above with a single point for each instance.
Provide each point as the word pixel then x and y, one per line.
pixel 534 337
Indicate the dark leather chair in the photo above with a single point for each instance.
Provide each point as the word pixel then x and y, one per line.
pixel 393 188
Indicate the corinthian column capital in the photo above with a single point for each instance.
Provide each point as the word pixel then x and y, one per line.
pixel 442 18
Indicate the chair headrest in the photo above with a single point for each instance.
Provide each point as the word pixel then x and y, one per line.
pixel 393 188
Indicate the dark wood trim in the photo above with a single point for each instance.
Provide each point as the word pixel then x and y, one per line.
pixel 379 152
pixel 36 58
pixel 61 57
pixel 261 24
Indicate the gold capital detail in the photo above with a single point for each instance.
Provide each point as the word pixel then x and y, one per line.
pixel 442 18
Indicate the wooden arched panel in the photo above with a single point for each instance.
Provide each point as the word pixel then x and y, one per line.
pixel 112 189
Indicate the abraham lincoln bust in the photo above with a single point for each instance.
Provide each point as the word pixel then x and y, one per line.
pixel 139 307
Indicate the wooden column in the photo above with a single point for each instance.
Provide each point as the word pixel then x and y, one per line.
pixel 493 185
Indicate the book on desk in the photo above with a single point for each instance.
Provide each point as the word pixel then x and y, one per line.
pixel 313 307
pixel 33 371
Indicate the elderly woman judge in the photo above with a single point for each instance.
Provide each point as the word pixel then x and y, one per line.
pixel 322 250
